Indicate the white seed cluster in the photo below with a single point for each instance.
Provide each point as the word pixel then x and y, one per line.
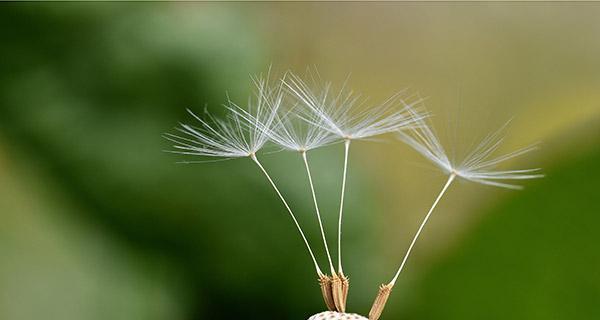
pixel 332 315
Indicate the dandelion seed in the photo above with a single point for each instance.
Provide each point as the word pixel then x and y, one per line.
pixel 293 134
pixel 343 115
pixel 477 167
pixel 241 134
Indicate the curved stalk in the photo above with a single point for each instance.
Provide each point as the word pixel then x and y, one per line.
pixel 346 150
pixel 291 214
pixel 414 240
pixel 386 289
pixel 312 189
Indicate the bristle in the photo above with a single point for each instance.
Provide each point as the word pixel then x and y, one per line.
pixel 380 301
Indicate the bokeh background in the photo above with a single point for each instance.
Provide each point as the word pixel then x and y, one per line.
pixel 97 222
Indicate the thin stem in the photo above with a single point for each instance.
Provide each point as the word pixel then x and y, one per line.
pixel 346 150
pixel 291 214
pixel 312 189
pixel 450 179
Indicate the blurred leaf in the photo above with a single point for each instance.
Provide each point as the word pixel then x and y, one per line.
pixel 56 266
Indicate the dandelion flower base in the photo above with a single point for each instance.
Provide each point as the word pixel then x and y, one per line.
pixel 332 315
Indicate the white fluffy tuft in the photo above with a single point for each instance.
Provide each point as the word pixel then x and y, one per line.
pixel 478 166
pixel 240 134
pixel 344 115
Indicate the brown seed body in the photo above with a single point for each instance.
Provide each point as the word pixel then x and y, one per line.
pixel 325 284
pixel 345 288
pixel 380 300
pixel 338 293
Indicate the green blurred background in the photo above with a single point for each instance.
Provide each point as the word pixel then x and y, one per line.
pixel 97 222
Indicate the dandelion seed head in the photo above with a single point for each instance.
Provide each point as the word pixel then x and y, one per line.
pixel 291 134
pixel 344 113
pixel 478 166
pixel 240 134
